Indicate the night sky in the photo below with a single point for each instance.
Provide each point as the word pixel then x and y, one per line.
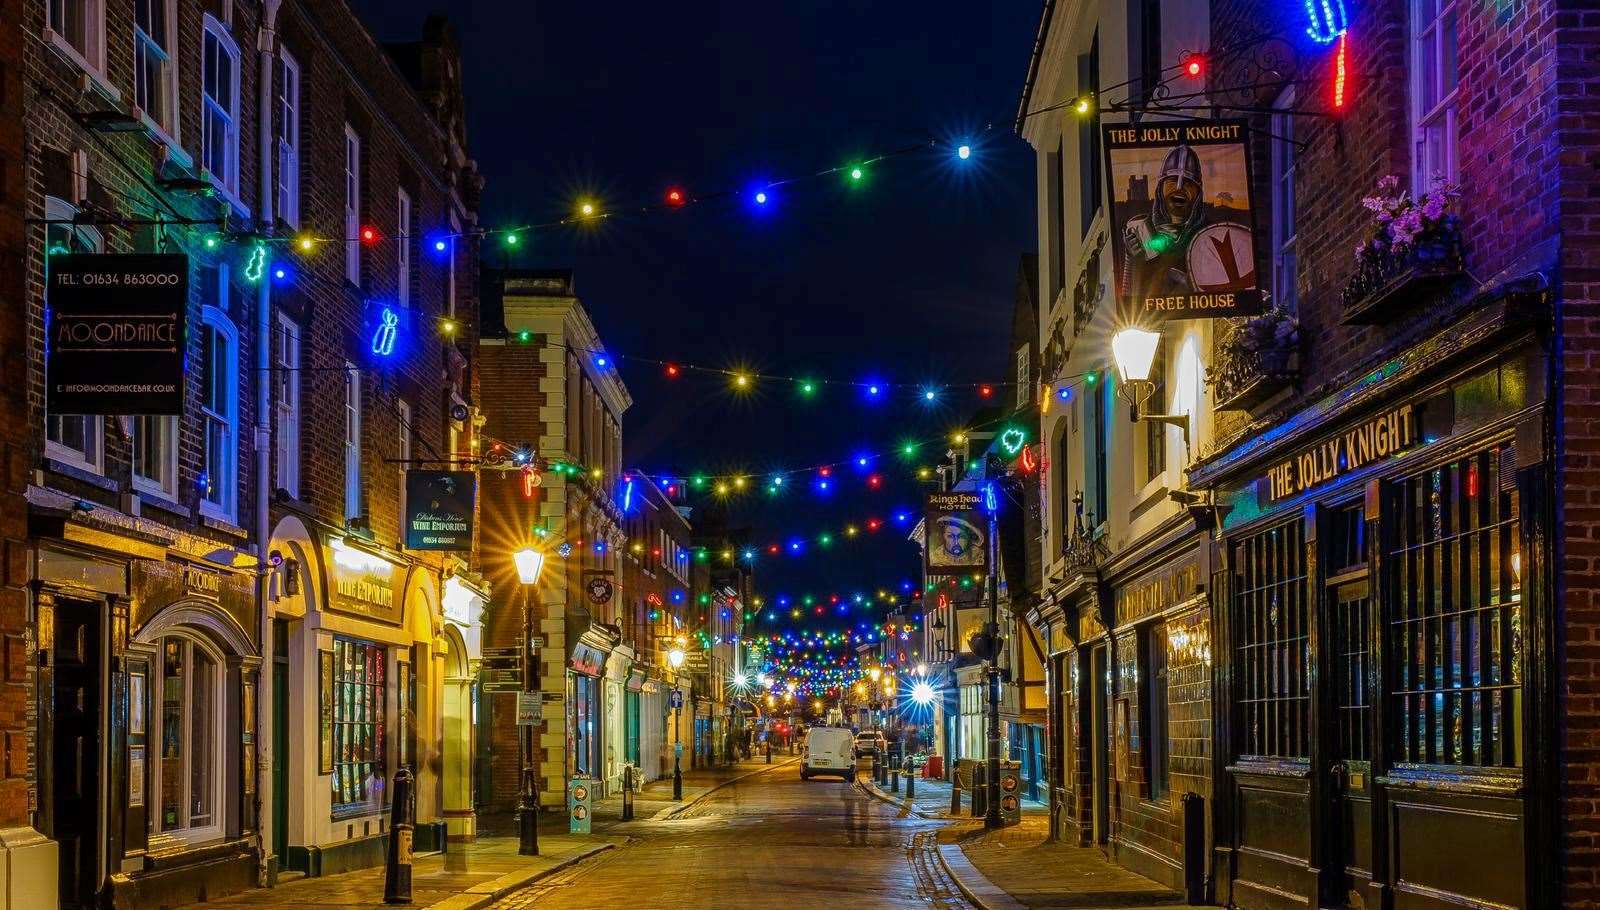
pixel 907 277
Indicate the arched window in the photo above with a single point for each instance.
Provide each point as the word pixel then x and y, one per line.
pixel 189 728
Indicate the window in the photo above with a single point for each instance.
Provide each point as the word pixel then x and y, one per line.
pixel 74 439
pixel 1055 186
pixel 402 243
pixel 1271 625
pixel 155 455
pixel 1433 92
pixel 155 72
pixel 1094 440
pixel 286 402
pixel 79 27
pixel 219 407
pixel 219 116
pixel 352 205
pixel 1089 138
pixel 1454 614
pixel 450 267
pixel 358 725
pixel 1283 162
pixel 190 731
pixel 1145 60
pixel 352 441
pixel 1155 432
pixel 288 201
pixel 402 410
pixel 1155 732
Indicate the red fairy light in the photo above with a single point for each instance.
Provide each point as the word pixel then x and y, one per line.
pixel 1340 73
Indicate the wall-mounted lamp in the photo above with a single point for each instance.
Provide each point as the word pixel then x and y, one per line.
pixel 1135 352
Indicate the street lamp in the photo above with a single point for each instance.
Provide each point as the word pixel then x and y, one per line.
pixel 1135 351
pixel 675 658
pixel 530 563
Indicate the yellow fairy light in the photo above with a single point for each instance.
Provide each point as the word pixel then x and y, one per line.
pixel 958 438
pixel 596 473
pixel 306 243
pixel 448 326
pixel 722 488
pixel 850 530
pixel 741 380
pixel 924 473
pixel 738 483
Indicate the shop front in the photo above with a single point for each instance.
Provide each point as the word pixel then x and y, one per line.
pixel 615 718
pixel 654 731
pixel 463 602
pixel 586 671
pixel 1383 634
pixel 147 682
pixel 365 663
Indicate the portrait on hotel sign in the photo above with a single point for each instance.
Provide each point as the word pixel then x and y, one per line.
pixel 957 532
pixel 1182 226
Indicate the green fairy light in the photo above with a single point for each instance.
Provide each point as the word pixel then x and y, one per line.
pixel 257 264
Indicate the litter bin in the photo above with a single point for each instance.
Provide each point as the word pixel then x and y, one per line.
pixel 933 768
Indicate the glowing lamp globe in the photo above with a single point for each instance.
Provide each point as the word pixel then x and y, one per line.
pixel 529 563
pixel 922 693
pixel 675 658
pixel 1135 351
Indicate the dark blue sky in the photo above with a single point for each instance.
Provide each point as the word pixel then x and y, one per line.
pixel 908 277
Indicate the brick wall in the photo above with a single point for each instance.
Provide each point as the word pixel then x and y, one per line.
pixel 16 667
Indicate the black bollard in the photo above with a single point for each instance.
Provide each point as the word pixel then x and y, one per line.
pixel 911 782
pixel 980 791
pixel 895 774
pixel 402 826
pixel 955 798
pixel 769 751
pixel 627 793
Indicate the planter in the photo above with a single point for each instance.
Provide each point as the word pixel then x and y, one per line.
pixel 1248 381
pixel 1386 285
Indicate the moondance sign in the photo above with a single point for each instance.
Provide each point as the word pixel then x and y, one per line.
pixel 1387 434
pixel 115 338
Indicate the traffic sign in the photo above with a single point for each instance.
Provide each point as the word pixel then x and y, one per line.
pixel 677 699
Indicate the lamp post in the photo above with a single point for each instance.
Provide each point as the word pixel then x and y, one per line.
pixel 530 563
pixel 991 819
pixel 675 657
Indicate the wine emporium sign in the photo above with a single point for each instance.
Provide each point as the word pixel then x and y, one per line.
pixel 115 335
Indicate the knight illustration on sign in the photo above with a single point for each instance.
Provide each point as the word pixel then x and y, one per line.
pixel 1173 251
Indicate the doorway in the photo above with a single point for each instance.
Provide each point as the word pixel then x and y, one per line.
pixel 1348 628
pixel 280 740
pixel 75 744
pixel 1099 679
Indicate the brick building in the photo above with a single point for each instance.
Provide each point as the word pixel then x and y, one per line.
pixel 1353 673
pixel 185 572
pixel 552 399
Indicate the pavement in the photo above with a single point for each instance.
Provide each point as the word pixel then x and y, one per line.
pixel 749 834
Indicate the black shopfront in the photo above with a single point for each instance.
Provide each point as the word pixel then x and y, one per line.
pixel 1383 634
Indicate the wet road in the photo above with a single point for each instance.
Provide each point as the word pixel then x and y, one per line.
pixel 771 839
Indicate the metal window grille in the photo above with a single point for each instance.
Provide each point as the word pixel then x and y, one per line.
pixel 1454 613
pixel 1273 655
pixel 1351 664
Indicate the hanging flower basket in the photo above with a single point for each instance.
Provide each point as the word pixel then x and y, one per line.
pixel 1414 252
pixel 1256 360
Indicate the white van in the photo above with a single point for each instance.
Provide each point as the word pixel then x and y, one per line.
pixel 829 750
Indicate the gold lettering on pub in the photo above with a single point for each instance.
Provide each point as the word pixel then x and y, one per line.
pixel 1380 437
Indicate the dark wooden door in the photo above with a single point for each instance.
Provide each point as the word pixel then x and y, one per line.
pixel 1099 738
pixel 1349 760
pixel 75 739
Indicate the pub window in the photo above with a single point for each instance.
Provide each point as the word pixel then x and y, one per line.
pixel 73 439
pixel 1455 623
pixel 286 395
pixel 189 728
pixel 288 143
pixel 352 205
pixel 352 441
pixel 155 73
pixel 358 725
pixel 1055 187
pixel 78 27
pixel 1273 655
pixel 1434 99
pixel 155 454
pixel 219 107
pixel 1094 463
pixel 1155 432
pixel 402 245
pixel 1089 139
pixel 1155 733
pixel 1284 163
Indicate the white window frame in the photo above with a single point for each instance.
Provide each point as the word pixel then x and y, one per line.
pixel 164 482
pixel 352 205
pixel 288 139
pixel 402 453
pixel 1429 45
pixel 352 441
pixel 225 477
pixel 92 57
pixel 92 458
pixel 286 404
pixel 1283 160
pixel 213 830
pixel 402 243
pixel 167 124
pixel 226 108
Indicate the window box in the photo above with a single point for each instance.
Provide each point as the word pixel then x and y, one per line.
pixel 1246 381
pixel 1387 284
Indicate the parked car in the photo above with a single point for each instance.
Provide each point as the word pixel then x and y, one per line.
pixel 829 750
pixel 870 742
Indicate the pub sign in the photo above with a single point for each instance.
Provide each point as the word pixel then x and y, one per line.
pixel 115 333
pixel 1182 226
pixel 957 534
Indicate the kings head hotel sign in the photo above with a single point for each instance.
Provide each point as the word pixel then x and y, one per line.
pixel 1389 433
pixel 1182 227
pixel 115 333
pixel 439 507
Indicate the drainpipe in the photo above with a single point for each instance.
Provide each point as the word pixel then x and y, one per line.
pixel 266 42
